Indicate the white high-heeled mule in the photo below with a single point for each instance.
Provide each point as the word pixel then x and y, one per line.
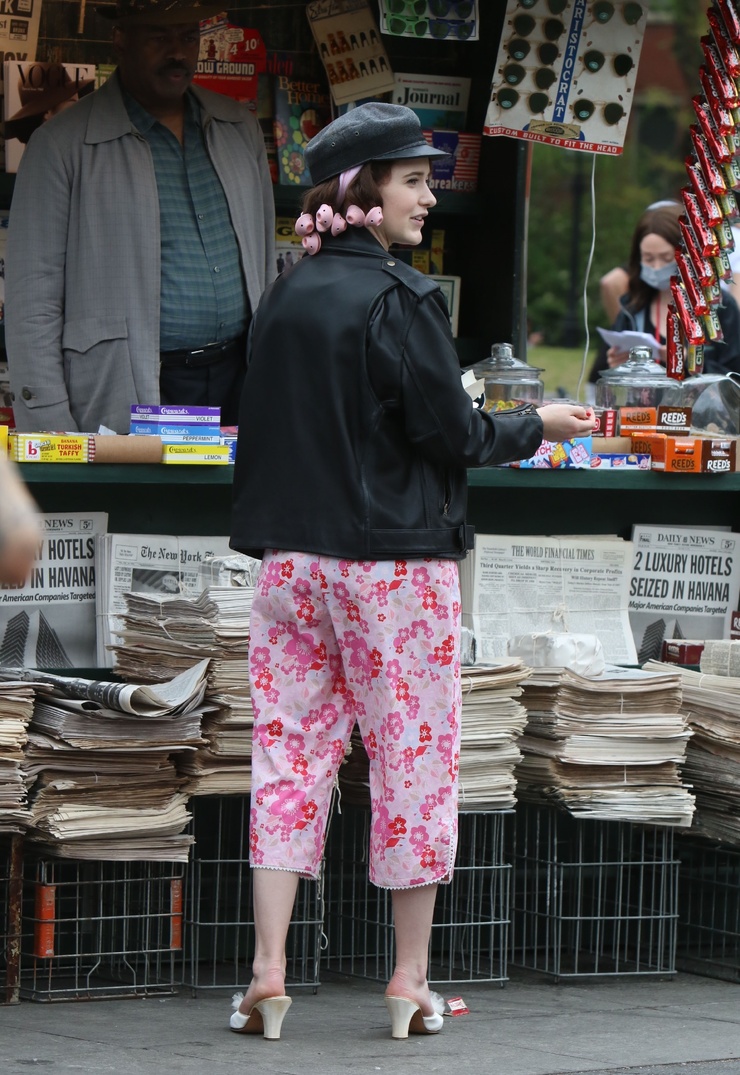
pixel 266 1017
pixel 407 1018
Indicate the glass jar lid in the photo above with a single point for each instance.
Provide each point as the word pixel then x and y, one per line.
pixel 502 365
pixel 639 369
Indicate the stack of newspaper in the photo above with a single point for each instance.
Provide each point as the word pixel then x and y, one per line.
pixel 491 722
pixel 155 564
pixel 712 707
pixel 16 707
pixel 160 634
pixel 606 746
pixel 98 763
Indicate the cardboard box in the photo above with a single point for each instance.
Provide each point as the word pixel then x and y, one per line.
pixel 676 420
pixel 574 453
pixel 195 453
pixel 606 422
pixel 620 460
pixel 51 447
pixel 682 652
pixel 171 412
pixel 688 455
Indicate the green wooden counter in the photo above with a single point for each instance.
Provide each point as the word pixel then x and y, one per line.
pixel 196 499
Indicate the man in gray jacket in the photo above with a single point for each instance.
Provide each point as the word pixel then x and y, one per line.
pixel 141 237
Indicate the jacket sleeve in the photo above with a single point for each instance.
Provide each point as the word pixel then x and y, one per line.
pixel 34 288
pixel 422 380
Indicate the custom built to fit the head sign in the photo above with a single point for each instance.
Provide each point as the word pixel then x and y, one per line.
pixel 565 72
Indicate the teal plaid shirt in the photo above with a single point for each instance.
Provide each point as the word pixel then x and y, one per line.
pixel 203 299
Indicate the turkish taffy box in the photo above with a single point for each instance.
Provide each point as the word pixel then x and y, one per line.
pixel 51 447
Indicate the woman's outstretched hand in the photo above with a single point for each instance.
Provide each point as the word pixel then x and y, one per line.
pixel 562 421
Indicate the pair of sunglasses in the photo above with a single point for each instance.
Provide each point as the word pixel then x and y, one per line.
pixel 611 112
pixel 519 49
pixel 593 60
pixel 514 73
pixel 437 28
pixel 555 7
pixel 551 28
pixel 536 102
pixel 463 9
pixel 603 12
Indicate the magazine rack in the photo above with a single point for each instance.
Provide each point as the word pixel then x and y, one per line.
pixel 471 921
pixel 219 933
pixel 709 909
pixel 100 930
pixel 593 898
pixel 11 881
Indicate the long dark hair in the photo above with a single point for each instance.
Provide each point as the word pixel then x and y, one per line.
pixel 363 191
pixel 662 221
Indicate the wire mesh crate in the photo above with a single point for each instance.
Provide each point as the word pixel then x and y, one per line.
pixel 709 909
pixel 218 904
pixel 11 887
pixel 592 898
pixel 471 921
pixel 99 930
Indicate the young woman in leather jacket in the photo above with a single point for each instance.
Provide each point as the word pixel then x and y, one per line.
pixel 355 435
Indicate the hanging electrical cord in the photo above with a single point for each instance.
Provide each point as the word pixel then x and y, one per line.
pixel 584 362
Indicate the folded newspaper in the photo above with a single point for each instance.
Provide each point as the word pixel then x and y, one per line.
pixel 178 695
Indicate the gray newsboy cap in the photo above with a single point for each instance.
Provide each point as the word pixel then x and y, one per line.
pixel 371 132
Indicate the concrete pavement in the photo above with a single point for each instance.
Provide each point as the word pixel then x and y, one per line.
pixel 641 1026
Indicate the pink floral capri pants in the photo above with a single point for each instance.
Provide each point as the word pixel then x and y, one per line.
pixel 334 641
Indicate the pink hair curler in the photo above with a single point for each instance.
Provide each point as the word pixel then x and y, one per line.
pixel 374 217
pixel 355 216
pixel 311 243
pixel 324 217
pixel 339 224
pixel 304 225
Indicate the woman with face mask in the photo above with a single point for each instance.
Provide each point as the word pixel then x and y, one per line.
pixel 645 305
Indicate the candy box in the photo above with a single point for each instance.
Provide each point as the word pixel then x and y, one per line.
pixel 620 461
pixel 677 651
pixel 551 455
pixel 654 420
pixel 687 455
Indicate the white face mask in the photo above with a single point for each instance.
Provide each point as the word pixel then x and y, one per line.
pixel 658 278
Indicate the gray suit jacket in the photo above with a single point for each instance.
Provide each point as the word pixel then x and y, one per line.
pixel 83 257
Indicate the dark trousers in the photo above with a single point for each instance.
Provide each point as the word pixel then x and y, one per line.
pixel 206 378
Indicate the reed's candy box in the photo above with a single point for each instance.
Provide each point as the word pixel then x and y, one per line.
pixel 687 455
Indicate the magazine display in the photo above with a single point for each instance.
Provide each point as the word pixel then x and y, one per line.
pixel 684 584
pixel 153 564
pixel 50 621
pixel 516 585
pixel 34 92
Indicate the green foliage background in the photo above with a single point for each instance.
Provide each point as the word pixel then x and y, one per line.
pixel 651 167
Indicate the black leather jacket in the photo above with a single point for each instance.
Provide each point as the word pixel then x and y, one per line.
pixel 355 432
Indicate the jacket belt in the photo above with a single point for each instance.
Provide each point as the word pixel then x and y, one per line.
pixel 205 356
